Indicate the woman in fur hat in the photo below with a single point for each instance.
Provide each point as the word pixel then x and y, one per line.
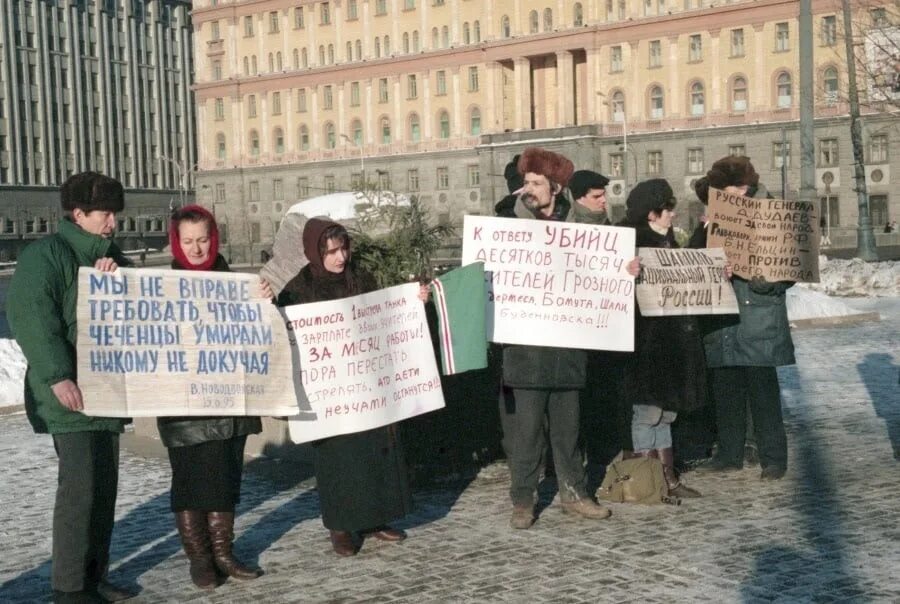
pixel 667 372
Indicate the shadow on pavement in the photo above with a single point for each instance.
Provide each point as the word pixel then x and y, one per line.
pixel 882 379
pixel 818 509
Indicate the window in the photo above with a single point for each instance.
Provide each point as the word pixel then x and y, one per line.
pixel 251 105
pixel 248 26
pixel 217 70
pixel 415 133
pixel 879 17
pixel 504 27
pixel 473 79
pixel 384 180
pixel 828 152
pixel 467 33
pixel 781 154
pixel 406 42
pixel 329 183
pixel 654 162
pixel 415 41
pixel 324 14
pixel 409 4
pixel 352 9
pixel 412 90
pixel 220 109
pixel 440 84
pixel 830 85
pixel 387 45
pixel 737 42
pixel 829 30
pixel 878 149
pixel 474 175
pixel 214 31
pixel 354 94
pixel 385 131
pixel 327 98
pixel 655 53
pixel 739 95
pixel 277 189
pixel 278 141
pixel 298 17
pixel 412 180
pixel 435 38
pixel 616 164
pixel 831 210
pixel 276 103
pixel 304 138
pixel 331 54
pixel 302 187
pixel 443 178
pixel 533 22
pixel 301 100
pixel 254 143
pixel 783 90
pixel 357 132
pixel 383 90
pixel 304 58
pixel 548 19
pixel 475 122
pixel 330 138
pixel 698 104
pixel 220 146
pixel 656 103
pixel 321 54
pixel 253 190
pixel 615 59
pixel 273 22
pixel 445 37
pixel 359 50
pixel 444 125
pixel 476 31
pixel 220 191
pixel 380 7
pixel 578 15
pixel 782 37
pixel 695 48
pixel 618 106
pixel 737 150
pixel 695 161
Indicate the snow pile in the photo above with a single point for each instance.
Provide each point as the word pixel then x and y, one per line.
pixel 803 303
pixel 12 373
pixel 857 278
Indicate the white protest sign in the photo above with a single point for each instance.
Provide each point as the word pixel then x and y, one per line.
pixel 365 361
pixel 554 283
pixel 684 282
pixel 158 342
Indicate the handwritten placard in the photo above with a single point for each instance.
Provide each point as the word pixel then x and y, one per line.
pixel 774 239
pixel 683 282
pixel 365 361
pixel 154 342
pixel 554 283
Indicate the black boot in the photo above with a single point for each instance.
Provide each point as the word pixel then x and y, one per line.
pixel 195 539
pixel 676 487
pixel 221 532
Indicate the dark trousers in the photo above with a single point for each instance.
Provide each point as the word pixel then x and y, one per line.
pixel 85 508
pixel 522 415
pixel 735 390
pixel 207 476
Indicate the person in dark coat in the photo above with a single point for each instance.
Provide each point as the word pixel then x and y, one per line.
pixel 743 354
pixel 667 372
pixel 541 384
pixel 206 453
pixel 361 477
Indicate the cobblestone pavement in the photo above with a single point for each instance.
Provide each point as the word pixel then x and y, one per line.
pixel 828 532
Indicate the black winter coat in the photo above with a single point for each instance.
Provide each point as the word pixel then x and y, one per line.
pixel 185 431
pixel 668 367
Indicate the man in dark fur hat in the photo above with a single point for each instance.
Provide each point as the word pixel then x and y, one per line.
pixel 542 382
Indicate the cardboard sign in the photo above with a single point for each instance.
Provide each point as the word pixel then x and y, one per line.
pixel 365 361
pixel 774 239
pixel 156 342
pixel 554 283
pixel 683 282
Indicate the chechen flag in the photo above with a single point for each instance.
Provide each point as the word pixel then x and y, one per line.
pixel 460 299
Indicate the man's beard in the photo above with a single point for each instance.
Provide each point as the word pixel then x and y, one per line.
pixel 532 203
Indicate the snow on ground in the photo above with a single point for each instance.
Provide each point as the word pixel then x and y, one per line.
pixel 852 278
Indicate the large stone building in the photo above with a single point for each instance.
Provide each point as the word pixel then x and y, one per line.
pixel 432 98
pixel 100 85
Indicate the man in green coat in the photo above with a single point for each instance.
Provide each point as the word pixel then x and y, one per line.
pixel 41 309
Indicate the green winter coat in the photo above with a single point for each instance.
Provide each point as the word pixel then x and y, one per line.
pixel 41 310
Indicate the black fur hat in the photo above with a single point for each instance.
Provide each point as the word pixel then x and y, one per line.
pixel 89 191
pixel 648 196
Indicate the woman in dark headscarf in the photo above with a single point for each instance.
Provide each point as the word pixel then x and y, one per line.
pixel 361 477
pixel 206 453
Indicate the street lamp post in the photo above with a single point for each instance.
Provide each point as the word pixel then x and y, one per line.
pixel 182 171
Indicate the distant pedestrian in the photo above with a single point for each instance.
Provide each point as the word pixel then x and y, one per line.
pixel 41 309
pixel 206 453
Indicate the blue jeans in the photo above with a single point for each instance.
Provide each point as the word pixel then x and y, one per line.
pixel 651 428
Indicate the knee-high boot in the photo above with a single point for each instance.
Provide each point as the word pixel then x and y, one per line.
pixel 676 487
pixel 221 531
pixel 195 539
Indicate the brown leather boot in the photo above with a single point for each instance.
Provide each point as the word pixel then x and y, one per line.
pixel 195 539
pixel 343 543
pixel 221 532
pixel 676 487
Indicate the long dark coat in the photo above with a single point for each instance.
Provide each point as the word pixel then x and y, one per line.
pixel 361 477
pixel 668 367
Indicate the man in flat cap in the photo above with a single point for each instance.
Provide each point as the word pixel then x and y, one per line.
pixel 542 382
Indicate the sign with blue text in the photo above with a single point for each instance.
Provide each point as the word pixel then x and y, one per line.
pixel 365 362
pixel 158 342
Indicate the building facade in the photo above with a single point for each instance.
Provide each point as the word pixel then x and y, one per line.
pixel 433 97
pixel 101 85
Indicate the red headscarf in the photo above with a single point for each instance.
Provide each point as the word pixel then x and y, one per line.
pixel 194 213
